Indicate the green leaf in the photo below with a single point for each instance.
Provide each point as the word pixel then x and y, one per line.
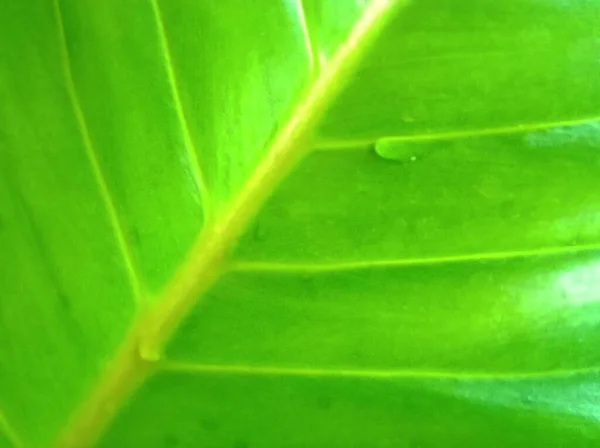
pixel 299 223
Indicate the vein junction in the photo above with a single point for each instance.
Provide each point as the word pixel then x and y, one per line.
pixel 131 364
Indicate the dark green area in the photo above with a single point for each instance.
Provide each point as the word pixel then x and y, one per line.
pixel 234 411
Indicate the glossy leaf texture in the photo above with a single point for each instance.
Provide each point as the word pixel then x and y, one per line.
pixel 417 264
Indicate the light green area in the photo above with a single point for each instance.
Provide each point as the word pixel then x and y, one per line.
pixel 119 73
pixel 328 23
pixel 449 65
pixel 66 297
pixel 400 150
pixel 235 60
pixel 428 276
pixel 245 411
pixel 498 317
pixel 520 191
pixel 108 134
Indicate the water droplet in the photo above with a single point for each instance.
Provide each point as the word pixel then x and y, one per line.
pixel 398 150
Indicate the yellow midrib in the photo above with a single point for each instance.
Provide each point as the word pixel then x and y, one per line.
pixel 136 358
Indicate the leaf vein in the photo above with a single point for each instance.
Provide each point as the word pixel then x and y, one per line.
pixel 240 369
pixel 250 266
pixel 205 262
pixel 313 61
pixel 93 158
pixel 190 148
pixel 343 145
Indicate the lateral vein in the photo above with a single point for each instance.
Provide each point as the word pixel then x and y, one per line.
pixel 347 145
pixel 256 266
pixel 190 148
pixel 313 61
pixel 240 369
pixel 93 158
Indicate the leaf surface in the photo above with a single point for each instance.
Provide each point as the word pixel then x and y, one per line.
pixel 274 225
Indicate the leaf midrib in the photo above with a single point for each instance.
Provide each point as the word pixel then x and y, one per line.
pixel 137 357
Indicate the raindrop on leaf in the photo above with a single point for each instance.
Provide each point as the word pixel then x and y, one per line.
pixel 399 150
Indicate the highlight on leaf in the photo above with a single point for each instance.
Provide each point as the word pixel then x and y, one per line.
pixel 299 223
